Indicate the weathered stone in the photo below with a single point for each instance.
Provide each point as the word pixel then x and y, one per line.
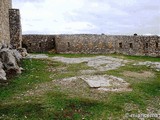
pixel 155 65
pixel 100 63
pixel 17 55
pixel 103 83
pixel 5 5
pixel 94 44
pixel 2 73
pixel 38 43
pixel 9 59
pixel 15 28
pixel 23 52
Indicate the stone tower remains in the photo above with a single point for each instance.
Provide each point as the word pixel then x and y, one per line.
pixel 10 25
pixel 10 37
pixel 5 5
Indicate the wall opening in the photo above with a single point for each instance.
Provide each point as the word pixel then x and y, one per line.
pixel 146 45
pixel 40 45
pixel 120 45
pixel 24 46
pixel 156 44
pixel 30 44
pixel 54 44
pixel 68 44
pixel 131 45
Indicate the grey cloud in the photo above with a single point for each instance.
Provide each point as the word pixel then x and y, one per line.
pixel 122 19
pixel 116 16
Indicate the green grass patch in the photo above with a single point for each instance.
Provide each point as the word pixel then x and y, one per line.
pixel 68 103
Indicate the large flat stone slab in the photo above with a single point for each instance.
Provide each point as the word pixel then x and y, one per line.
pixel 96 81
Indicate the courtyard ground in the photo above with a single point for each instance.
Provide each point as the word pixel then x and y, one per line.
pixel 89 87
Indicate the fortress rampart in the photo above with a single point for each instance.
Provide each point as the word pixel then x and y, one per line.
pixel 94 44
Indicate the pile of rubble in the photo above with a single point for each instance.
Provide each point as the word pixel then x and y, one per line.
pixel 10 62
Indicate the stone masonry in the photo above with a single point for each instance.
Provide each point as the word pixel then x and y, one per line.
pixel 15 28
pixel 94 44
pixel 10 32
pixel 38 43
pixel 5 5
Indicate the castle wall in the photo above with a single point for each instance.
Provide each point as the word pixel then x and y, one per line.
pixel 85 43
pixel 5 5
pixel 94 44
pixel 15 28
pixel 38 43
pixel 102 44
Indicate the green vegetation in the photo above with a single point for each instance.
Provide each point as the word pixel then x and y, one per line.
pixel 37 94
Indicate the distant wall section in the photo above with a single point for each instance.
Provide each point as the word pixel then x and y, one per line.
pixel 85 43
pixel 94 44
pixel 103 44
pixel 38 43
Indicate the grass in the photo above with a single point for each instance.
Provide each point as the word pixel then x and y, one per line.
pixel 55 101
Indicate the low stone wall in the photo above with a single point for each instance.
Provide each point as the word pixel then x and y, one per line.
pixel 38 43
pixel 15 28
pixel 94 44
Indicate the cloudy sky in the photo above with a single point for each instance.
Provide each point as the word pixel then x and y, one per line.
pixel 89 16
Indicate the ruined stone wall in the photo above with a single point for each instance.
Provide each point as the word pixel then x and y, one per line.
pixel 94 44
pixel 38 43
pixel 84 43
pixel 103 44
pixel 15 28
pixel 5 5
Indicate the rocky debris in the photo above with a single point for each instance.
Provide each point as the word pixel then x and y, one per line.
pixel 101 82
pixel 101 63
pixel 9 63
pixel 23 52
pixel 155 65
pixel 107 83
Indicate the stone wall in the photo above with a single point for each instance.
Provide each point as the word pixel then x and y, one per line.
pixel 38 43
pixel 94 44
pixel 84 43
pixel 5 5
pixel 102 44
pixel 15 28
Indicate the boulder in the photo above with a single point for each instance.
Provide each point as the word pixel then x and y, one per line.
pixel 17 55
pixel 10 59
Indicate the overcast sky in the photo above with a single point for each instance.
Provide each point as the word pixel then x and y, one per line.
pixel 89 16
